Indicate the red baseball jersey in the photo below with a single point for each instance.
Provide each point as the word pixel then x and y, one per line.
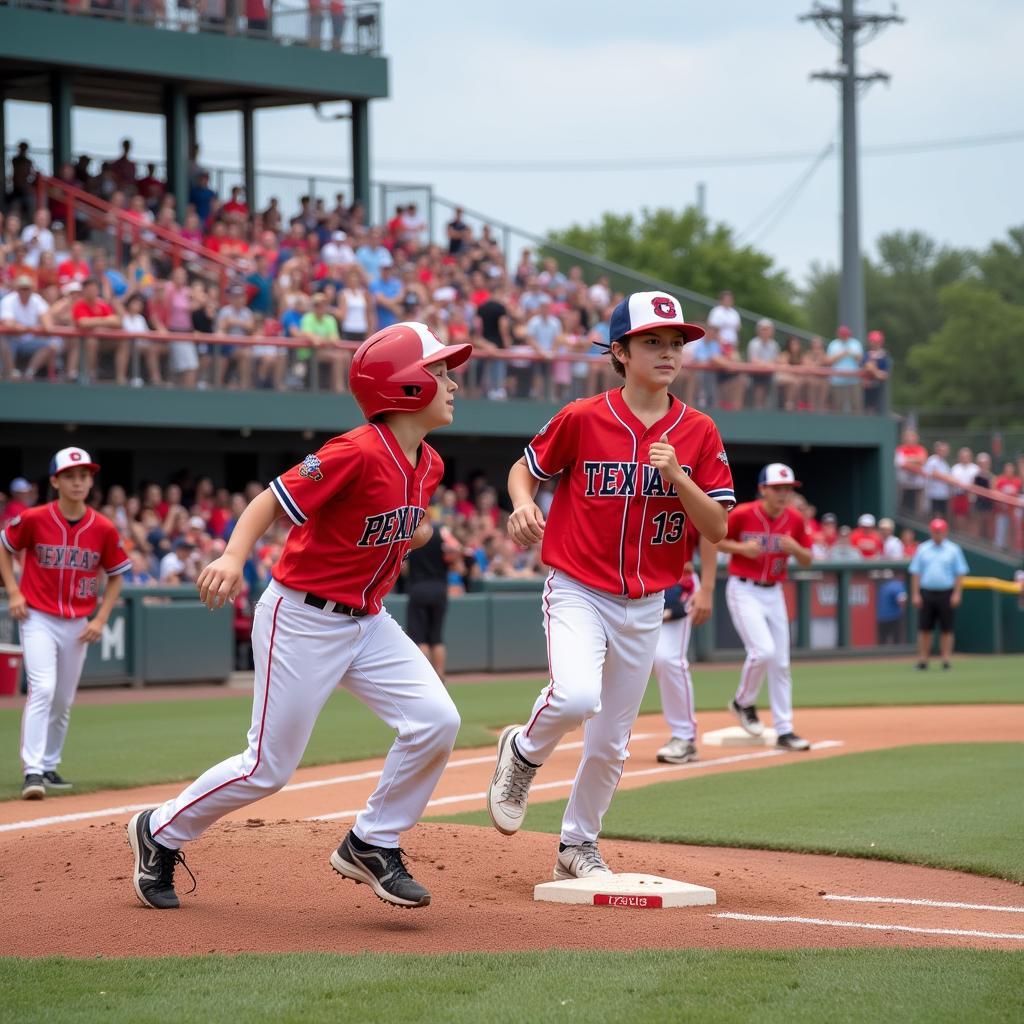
pixel 866 541
pixel 749 521
pixel 615 524
pixel 355 504
pixel 63 559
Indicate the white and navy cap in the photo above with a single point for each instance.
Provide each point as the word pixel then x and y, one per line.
pixel 866 521
pixel 776 474
pixel 71 458
pixel 643 311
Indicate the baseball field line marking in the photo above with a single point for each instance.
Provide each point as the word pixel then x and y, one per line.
pixel 566 783
pixel 337 780
pixel 902 901
pixel 961 932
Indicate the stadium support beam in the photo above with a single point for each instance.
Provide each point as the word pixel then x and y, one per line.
pixel 61 101
pixel 3 152
pixel 249 154
pixel 361 154
pixel 176 151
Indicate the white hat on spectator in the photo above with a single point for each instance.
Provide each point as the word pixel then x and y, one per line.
pixel 866 521
pixel 24 281
pixel 71 287
pixel 197 523
pixel 20 485
pixel 338 236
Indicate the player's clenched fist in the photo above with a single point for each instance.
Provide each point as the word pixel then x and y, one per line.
pixel 526 525
pixel 662 456
pixel 220 582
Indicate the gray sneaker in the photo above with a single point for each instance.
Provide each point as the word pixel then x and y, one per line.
pixel 509 790
pixel 677 751
pixel 383 870
pixel 579 862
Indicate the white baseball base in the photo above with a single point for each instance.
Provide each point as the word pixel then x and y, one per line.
pixel 734 736
pixel 638 891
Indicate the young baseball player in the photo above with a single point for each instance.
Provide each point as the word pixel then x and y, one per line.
pixel 66 545
pixel 357 507
pixel 687 604
pixel 762 536
pixel 635 465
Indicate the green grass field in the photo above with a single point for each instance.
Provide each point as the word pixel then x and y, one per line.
pixel 119 745
pixel 948 805
pixel 551 987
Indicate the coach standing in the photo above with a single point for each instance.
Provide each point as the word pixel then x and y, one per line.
pixel 937 573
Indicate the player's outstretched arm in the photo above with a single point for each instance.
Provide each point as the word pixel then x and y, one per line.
pixel 526 524
pixel 221 581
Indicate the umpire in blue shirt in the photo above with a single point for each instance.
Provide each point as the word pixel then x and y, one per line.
pixel 937 573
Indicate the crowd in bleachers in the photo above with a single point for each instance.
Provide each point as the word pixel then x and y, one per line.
pixel 321 276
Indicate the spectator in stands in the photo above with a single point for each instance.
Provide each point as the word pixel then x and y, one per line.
pixel 412 232
pixel 494 328
pixel 23 177
pixel 877 366
pixel 983 505
pixel 543 330
pixel 825 540
pixel 731 382
pixel 202 197
pixel 260 286
pixel 124 167
pixel 937 571
pixel 937 488
pixel 843 549
pixel 176 306
pixel 24 495
pixel 75 267
pixel 909 541
pixel 270 362
pixel 865 538
pixel 237 320
pixel 725 318
pixel 790 381
pixel 845 353
pixel 236 208
pixel 763 350
pixel 134 320
pixel 910 455
pixel 337 253
pixel 151 188
pixel 357 309
pixel 387 294
pixel 372 254
pixel 139 575
pixel 38 238
pixel 963 471
pixel 892 546
pixel 702 384
pixel 91 312
pixel 1009 484
pixel 460 234
pixel 25 308
pixel 179 564
pixel 320 328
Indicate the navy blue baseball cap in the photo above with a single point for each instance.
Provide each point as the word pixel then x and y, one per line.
pixel 643 311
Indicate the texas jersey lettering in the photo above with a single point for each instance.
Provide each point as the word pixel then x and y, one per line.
pixel 63 559
pixel 749 522
pixel 369 501
pixel 615 525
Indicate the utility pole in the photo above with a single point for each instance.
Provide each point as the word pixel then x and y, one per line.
pixel 843 24
pixel 701 198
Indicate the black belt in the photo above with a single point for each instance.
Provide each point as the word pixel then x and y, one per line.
pixel 756 583
pixel 338 609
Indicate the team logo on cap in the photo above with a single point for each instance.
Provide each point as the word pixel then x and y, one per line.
pixel 783 473
pixel 75 455
pixel 310 468
pixel 664 307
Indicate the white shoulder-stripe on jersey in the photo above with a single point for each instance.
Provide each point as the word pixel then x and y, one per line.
pixel 288 503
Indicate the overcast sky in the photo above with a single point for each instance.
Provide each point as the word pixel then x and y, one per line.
pixel 570 80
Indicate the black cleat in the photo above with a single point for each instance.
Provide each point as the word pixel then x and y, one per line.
pixel 747 717
pixel 921 666
pixel 790 741
pixel 383 870
pixel 34 787
pixel 154 866
pixel 53 780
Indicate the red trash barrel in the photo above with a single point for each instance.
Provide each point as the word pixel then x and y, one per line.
pixel 10 669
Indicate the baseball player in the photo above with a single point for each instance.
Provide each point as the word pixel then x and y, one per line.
pixel 761 538
pixel 357 507
pixel 66 545
pixel 636 464
pixel 687 604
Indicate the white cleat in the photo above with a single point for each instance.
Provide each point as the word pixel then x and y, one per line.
pixel 677 751
pixel 509 790
pixel 579 862
pixel 746 715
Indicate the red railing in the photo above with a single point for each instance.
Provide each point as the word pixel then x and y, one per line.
pixel 103 215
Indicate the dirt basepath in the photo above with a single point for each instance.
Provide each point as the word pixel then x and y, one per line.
pixel 265 884
pixel 338 791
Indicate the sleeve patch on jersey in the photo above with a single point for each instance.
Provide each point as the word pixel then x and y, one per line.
pixel 291 509
pixel 723 458
pixel 310 468
pixel 534 465
pixel 119 569
pixel 3 538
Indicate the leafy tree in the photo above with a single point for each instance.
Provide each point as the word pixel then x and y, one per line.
pixel 1002 266
pixel 684 248
pixel 976 359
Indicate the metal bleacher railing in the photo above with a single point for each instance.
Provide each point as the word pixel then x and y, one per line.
pixel 322 24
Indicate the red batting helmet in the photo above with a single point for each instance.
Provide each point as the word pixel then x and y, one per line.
pixel 388 370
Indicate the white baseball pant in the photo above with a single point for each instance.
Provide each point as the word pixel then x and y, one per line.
pixel 301 654
pixel 54 655
pixel 600 652
pixel 760 617
pixel 672 669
